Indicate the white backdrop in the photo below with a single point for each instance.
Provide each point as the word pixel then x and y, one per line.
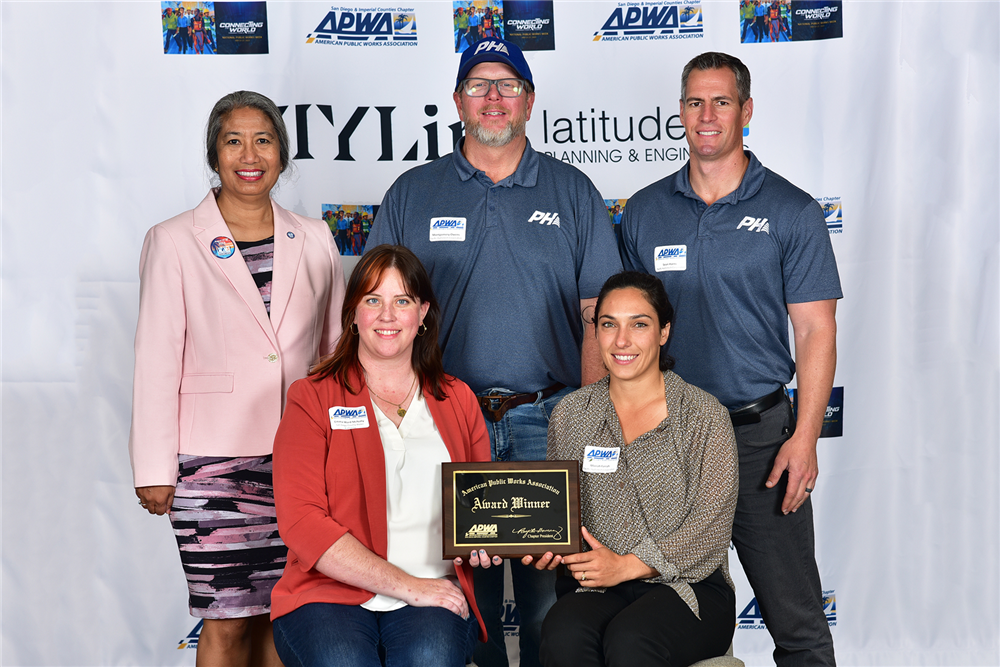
pixel 102 138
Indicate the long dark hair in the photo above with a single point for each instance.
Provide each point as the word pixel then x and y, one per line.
pixel 652 290
pixel 366 277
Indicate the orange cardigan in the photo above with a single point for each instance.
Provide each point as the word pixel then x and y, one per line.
pixel 330 482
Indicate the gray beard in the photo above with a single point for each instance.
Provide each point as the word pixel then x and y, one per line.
pixel 497 138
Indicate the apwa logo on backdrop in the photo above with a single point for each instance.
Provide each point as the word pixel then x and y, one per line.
pixel 750 618
pixel 652 20
pixel 511 618
pixel 833 213
pixel 363 27
pixel 191 641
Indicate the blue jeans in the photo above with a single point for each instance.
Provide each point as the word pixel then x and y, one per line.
pixel 322 634
pixel 776 550
pixel 520 435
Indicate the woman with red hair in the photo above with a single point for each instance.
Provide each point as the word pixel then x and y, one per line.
pixel 357 481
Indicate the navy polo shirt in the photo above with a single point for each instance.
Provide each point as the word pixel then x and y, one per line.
pixel 729 270
pixel 509 263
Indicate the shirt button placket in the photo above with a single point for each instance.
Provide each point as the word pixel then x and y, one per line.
pixel 704 219
pixel 492 219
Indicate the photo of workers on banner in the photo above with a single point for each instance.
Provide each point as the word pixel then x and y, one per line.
pixel 350 224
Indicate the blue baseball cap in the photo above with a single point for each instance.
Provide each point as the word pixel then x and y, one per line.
pixel 493 50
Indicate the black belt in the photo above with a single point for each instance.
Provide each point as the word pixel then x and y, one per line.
pixel 505 402
pixel 750 413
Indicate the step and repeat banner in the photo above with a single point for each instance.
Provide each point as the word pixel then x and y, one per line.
pixel 886 112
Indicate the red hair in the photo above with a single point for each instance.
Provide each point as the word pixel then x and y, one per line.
pixel 367 275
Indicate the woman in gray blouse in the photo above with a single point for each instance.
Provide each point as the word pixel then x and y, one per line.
pixel 658 493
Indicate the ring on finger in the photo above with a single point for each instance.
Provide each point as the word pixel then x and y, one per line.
pixel 584 576
pixel 808 490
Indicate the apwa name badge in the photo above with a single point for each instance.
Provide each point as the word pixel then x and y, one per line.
pixel 447 229
pixel 670 258
pixel 600 459
pixel 344 418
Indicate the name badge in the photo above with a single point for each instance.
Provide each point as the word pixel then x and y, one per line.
pixel 344 418
pixel 670 258
pixel 600 459
pixel 447 229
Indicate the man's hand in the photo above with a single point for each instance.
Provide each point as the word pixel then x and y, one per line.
pixel 814 326
pixel 591 365
pixel 798 457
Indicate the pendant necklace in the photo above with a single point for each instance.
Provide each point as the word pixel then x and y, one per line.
pixel 400 410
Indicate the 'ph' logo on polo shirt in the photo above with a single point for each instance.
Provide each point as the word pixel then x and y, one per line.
pixel 754 224
pixel 543 218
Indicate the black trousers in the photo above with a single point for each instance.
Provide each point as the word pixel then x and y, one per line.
pixel 635 623
pixel 777 551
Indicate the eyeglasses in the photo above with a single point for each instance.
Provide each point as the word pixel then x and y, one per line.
pixel 481 87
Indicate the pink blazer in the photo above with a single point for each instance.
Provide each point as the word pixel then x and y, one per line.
pixel 211 368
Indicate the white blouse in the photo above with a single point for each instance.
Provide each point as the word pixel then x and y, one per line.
pixel 413 456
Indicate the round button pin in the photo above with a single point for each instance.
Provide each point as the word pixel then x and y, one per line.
pixel 291 235
pixel 223 247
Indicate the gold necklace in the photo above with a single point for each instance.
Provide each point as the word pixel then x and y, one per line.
pixel 400 410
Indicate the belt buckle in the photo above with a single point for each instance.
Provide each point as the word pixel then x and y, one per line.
pixel 751 412
pixel 496 413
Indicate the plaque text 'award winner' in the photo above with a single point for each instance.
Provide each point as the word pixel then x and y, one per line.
pixel 511 508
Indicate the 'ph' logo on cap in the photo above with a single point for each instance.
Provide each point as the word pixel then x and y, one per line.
pixel 499 47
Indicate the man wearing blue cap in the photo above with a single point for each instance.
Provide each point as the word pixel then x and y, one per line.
pixel 517 245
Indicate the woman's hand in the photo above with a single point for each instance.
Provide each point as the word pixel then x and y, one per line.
pixel 598 568
pixel 480 559
pixel 547 561
pixel 155 499
pixel 435 593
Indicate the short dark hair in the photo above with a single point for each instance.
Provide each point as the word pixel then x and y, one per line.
pixel 716 60
pixel 244 99
pixel 367 275
pixel 652 290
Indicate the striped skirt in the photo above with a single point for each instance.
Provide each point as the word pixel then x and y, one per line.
pixel 224 520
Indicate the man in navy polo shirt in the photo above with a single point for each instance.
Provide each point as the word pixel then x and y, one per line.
pixel 741 251
pixel 517 245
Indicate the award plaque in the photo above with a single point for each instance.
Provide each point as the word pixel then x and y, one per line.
pixel 511 509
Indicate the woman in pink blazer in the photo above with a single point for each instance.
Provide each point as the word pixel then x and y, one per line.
pixel 238 298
